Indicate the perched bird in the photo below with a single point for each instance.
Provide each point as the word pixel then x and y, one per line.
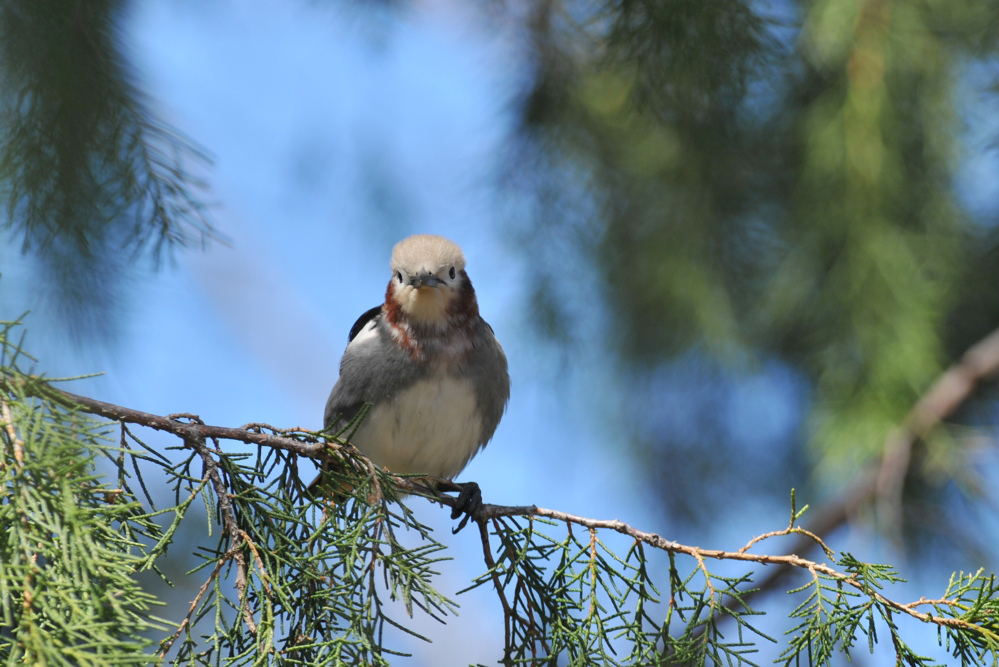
pixel 429 365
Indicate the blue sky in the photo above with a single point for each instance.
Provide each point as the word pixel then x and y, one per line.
pixel 334 135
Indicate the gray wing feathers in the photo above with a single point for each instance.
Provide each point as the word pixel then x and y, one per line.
pixel 372 369
pixel 487 369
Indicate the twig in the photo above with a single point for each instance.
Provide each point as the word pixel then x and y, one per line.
pixel 936 603
pixel 944 396
pixel 8 424
pixel 167 643
pixel 236 539
pixel 256 557
pixel 36 386
pixel 792 530
pixel 491 564
pixel 593 573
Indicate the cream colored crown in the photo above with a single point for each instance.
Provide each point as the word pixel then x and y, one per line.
pixel 427 252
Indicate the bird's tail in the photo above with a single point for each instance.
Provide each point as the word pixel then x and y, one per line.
pixel 339 472
pixel 332 483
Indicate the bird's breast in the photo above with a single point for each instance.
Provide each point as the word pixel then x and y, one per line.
pixel 432 426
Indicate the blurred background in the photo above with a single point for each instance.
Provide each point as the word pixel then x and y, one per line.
pixel 727 245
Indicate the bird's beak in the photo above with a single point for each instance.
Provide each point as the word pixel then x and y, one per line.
pixel 425 279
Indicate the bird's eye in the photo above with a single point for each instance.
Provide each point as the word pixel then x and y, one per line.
pixel 451 273
pixel 398 276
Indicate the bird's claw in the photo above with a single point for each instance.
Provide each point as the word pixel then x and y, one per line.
pixel 469 503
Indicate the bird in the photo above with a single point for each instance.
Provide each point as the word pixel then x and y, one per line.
pixel 431 369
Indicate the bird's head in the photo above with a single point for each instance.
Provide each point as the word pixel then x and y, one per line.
pixel 428 276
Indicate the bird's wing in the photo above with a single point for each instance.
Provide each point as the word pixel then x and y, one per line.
pixel 373 367
pixel 487 369
pixel 351 389
pixel 368 315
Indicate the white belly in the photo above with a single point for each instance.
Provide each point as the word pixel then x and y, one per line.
pixel 431 428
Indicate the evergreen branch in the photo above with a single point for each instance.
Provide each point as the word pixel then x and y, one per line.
pixel 194 431
pixel 568 595
pixel 68 548
pixel 236 534
pixel 185 623
pixel 191 430
pixel 700 554
pixel 955 386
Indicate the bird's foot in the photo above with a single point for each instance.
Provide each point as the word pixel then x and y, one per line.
pixel 469 503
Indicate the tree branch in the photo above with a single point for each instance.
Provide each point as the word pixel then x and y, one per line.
pixel 883 478
pixel 978 363
pixel 193 429
pixel 237 536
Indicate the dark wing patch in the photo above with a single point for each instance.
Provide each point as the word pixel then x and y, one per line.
pixel 362 321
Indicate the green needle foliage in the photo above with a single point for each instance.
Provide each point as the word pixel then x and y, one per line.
pixel 90 181
pixel 576 600
pixel 290 578
pixel 286 579
pixel 782 183
pixel 69 543
pixel 833 617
